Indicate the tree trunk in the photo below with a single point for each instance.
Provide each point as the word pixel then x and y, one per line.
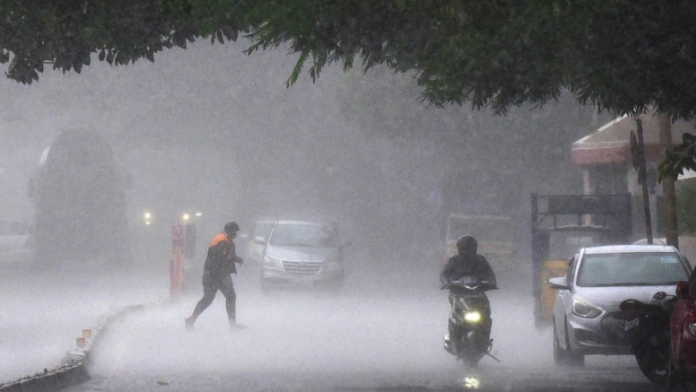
pixel 668 187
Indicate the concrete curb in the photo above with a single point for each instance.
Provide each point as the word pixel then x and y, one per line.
pixel 72 369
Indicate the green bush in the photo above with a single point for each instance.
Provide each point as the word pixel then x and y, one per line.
pixel 686 206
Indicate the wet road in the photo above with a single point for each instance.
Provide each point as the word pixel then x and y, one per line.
pixel 371 337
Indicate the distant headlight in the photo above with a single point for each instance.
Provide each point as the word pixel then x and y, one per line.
pixel 584 310
pixel 333 266
pixel 269 262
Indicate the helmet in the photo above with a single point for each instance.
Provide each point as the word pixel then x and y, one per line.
pixel 231 227
pixel 467 244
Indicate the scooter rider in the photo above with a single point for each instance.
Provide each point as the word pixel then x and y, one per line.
pixel 470 264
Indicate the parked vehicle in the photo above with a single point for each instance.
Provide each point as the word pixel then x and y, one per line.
pixel 561 225
pixel 587 319
pixel 471 314
pixel 261 228
pixel 560 244
pixel 302 253
pixel 682 324
pixel 646 330
pixel 16 248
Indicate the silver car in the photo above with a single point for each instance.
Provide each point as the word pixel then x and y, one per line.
pixel 255 250
pixel 300 252
pixel 586 315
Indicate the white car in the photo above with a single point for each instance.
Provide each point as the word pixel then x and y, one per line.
pixel 656 241
pixel 15 248
pixel 302 253
pixel 254 249
pixel 586 315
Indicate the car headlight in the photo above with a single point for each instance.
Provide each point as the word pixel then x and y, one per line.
pixel 692 328
pixel 584 310
pixel 269 262
pixel 472 317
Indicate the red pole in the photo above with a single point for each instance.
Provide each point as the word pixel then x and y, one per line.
pixel 175 265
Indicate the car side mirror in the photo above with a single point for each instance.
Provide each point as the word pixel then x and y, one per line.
pixel 558 283
pixel 682 290
pixel 260 240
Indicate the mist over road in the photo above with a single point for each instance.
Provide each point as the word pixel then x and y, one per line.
pixel 382 333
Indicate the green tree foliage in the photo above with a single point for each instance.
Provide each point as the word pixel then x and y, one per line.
pixel 686 206
pixel 622 56
pixel 680 158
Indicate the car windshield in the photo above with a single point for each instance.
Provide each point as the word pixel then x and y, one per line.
pixel 631 269
pixel 310 235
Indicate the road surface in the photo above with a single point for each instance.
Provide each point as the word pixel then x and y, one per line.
pixel 377 335
pixel 383 332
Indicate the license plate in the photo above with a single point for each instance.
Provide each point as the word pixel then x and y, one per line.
pixel 630 324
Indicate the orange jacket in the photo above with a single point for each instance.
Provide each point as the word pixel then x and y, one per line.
pixel 221 257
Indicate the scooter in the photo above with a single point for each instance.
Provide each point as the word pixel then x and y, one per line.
pixel 470 314
pixel 646 330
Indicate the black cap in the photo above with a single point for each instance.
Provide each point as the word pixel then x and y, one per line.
pixel 231 227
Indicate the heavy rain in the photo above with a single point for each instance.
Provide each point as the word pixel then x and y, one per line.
pixel 207 135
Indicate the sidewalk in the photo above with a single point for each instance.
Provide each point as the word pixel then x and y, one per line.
pixel 43 313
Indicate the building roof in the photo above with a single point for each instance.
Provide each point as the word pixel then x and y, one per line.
pixel 611 142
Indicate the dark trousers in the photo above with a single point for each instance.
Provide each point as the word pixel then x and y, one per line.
pixel 210 288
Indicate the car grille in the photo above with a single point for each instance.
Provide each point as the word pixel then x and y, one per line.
pixel 302 267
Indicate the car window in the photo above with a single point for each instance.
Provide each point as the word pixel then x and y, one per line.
pixel 310 235
pixel 631 269
pixel 12 228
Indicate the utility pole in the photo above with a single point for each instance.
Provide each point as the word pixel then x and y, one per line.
pixel 638 153
pixel 668 187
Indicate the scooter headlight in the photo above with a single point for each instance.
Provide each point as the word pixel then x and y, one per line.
pixel 584 310
pixel 472 317
pixel 471 382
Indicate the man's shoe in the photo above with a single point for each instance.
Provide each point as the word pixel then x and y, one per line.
pixel 189 322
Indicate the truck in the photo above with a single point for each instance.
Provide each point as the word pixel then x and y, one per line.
pixel 78 192
pixel 560 226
